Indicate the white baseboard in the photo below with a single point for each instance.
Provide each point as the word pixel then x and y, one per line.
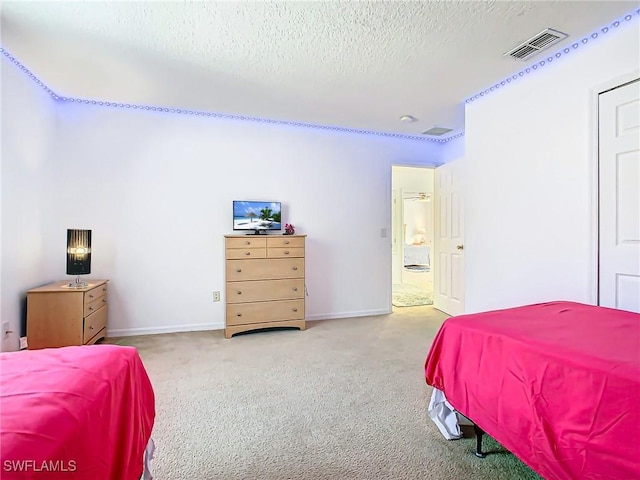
pixel 199 327
pixel 360 313
pixel 196 327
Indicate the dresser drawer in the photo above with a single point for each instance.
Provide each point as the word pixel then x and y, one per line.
pixel 94 324
pixel 261 312
pixel 238 253
pixel 283 252
pixel 285 241
pixel 263 269
pixel 246 242
pixel 264 290
pixel 94 294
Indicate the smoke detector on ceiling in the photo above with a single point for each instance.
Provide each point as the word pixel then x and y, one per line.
pixel 437 131
pixel 535 44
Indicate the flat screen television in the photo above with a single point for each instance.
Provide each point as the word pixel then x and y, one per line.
pixel 256 217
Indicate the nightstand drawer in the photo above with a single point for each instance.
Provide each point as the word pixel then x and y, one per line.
pixel 93 295
pixel 94 306
pixel 94 324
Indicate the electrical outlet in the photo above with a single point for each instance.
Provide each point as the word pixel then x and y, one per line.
pixel 23 343
pixel 216 296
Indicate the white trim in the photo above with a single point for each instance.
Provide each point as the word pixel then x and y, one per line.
pixel 594 159
pixel 360 313
pixel 196 327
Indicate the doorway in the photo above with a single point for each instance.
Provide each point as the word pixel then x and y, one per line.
pixel 412 236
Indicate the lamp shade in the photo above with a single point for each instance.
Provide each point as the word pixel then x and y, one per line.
pixel 78 252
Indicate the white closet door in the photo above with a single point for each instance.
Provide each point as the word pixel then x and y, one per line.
pixel 619 202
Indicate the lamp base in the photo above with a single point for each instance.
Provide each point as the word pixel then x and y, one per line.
pixel 78 284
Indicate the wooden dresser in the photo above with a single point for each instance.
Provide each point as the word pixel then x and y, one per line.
pixel 60 316
pixel 265 285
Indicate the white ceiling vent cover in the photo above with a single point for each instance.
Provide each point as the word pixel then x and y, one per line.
pixel 536 44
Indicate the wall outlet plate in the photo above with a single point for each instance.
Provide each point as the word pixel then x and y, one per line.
pixel 23 343
pixel 216 296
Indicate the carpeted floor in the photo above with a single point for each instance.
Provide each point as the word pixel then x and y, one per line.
pixel 345 399
pixel 407 295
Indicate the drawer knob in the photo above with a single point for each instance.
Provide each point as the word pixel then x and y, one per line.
pixel 286 242
pixel 90 296
pixel 239 292
pixel 239 315
pixel 90 308
pixel 286 252
pixel 248 242
pixel 295 309
pixel 295 289
pixel 238 270
pixel 104 289
pixel 90 327
pixel 104 300
pixel 294 268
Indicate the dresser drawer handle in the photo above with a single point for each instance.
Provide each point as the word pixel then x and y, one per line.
pixel 104 289
pixel 90 308
pixel 239 292
pixel 286 242
pixel 295 289
pixel 104 300
pixel 238 270
pixel 90 296
pixel 294 268
pixel 286 252
pixel 90 327
pixel 238 315
pixel 295 309
pixel 248 242
pixel 247 253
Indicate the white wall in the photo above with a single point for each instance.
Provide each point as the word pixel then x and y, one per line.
pixel 529 169
pixel 28 124
pixel 156 189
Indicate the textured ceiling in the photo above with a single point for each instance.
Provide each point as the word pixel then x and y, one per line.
pixel 351 64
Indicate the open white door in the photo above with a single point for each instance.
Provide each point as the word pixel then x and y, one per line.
pixel 448 255
pixel 619 202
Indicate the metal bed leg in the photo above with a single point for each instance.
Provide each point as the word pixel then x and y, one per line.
pixel 479 433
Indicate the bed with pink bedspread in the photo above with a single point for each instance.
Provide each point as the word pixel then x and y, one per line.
pixel 81 412
pixel 557 384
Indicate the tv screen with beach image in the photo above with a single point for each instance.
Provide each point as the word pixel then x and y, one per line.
pixel 256 215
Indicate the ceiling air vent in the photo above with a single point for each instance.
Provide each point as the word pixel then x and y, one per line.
pixel 437 131
pixel 535 44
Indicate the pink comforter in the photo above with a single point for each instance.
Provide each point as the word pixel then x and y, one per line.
pixel 557 384
pixel 74 413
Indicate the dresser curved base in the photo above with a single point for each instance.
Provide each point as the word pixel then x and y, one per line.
pixel 229 331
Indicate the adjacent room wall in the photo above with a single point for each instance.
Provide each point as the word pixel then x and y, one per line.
pixel 529 165
pixel 28 125
pixel 156 189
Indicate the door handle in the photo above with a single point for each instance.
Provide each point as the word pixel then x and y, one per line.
pixel 460 247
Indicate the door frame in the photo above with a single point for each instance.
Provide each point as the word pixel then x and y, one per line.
pixel 594 147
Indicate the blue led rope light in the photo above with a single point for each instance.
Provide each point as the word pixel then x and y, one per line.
pixel 557 55
pixel 226 116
